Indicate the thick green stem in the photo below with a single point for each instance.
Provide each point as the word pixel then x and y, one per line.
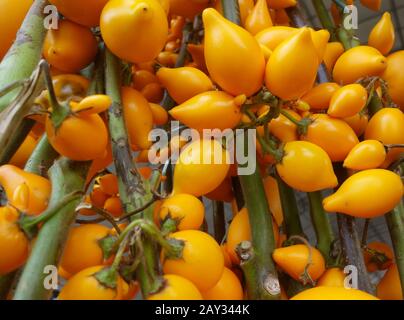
pixel 291 219
pixel 375 104
pixel 395 222
pixel 263 239
pixel 41 158
pixel 134 192
pixel 322 227
pixel 67 177
pixel 23 57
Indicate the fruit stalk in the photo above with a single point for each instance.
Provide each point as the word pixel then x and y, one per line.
pixel 41 158
pixel 325 19
pixel 134 192
pixel 322 226
pixel 67 177
pixel 395 223
pixel 263 277
pixel 290 210
pixel 25 53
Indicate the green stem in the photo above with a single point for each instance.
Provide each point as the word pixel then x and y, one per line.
pixel 25 53
pixel 41 158
pixel 291 219
pixel 134 192
pixel 67 177
pixel 325 18
pixel 219 220
pixel 322 227
pixel 375 104
pixel 263 239
pixel 231 10
pixel 395 223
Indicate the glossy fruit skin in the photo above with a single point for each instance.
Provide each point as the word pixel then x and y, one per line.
pixel 23 153
pixel 79 138
pixel 306 167
pixel 210 110
pixel 239 231
pixel 84 286
pixel 320 40
pixel 134 30
pixel 160 115
pixel 200 254
pixel 332 52
pixel 14 245
pixel 227 47
pixel 357 63
pixel 273 36
pixel 293 260
pixel 394 77
pixel 86 13
pixel 348 101
pixel 335 136
pixel 114 206
pixel 389 287
pixel 206 175
pixel 109 184
pixel 381 248
pixel 70 86
pixel 82 250
pixel 387 126
pixel 228 288
pixel 185 208
pixel 292 68
pixel 184 83
pixel 358 123
pixel 11 16
pixel 177 288
pixel 284 129
pixel 186 8
pixel 272 193
pixel 62 50
pixel 383 35
pixel 333 277
pixel 359 196
pixel 93 104
pixel 38 188
pixel 259 18
pixel 333 293
pixel 319 97
pixel 138 117
pixel 368 154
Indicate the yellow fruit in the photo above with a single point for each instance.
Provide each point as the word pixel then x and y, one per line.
pixel 359 196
